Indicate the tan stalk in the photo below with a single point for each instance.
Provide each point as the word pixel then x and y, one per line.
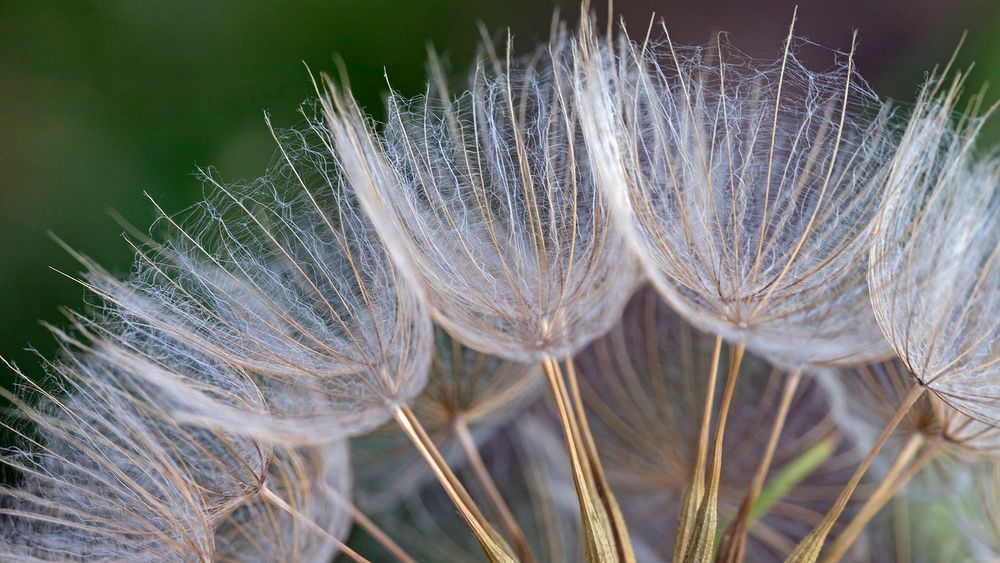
pixel 807 551
pixel 598 537
pixel 483 474
pixel 701 546
pixel 622 540
pixel 268 496
pixel 370 527
pixel 901 530
pixel 495 548
pixel 696 488
pixel 734 544
pixel 894 480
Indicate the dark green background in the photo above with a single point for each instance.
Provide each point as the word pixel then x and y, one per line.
pixel 100 101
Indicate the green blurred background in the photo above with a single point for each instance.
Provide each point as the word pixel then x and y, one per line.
pixel 101 101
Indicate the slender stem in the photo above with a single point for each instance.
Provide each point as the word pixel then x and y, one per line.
pixel 706 417
pixel 901 530
pixel 370 527
pixel 461 428
pixel 487 537
pixel 582 476
pixel 268 496
pixel 587 438
pixel 724 408
pixel 928 455
pixel 893 481
pixel 559 389
pixel 695 489
pixel 707 520
pixel 623 543
pixel 809 548
pixel 566 421
pixel 734 546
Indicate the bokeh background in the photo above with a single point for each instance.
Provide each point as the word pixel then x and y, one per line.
pixel 101 101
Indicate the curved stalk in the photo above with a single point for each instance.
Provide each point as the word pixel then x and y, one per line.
pixel 734 545
pixel 268 496
pixel 495 548
pixel 461 428
pixel 807 551
pixel 894 480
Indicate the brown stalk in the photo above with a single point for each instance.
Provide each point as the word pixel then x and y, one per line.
pixel 461 428
pixel 809 548
pixel 894 480
pixel 370 527
pixel 596 528
pixel 734 544
pixel 700 548
pixel 696 488
pixel 268 496
pixel 495 548
pixel 623 542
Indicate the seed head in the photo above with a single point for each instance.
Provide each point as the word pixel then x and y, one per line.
pixel 935 275
pixel 488 200
pixel 747 189
pixel 285 278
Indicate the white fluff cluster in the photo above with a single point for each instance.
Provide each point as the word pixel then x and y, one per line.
pixel 284 278
pixel 935 275
pixel 489 202
pixel 108 474
pixel 111 472
pixel 748 191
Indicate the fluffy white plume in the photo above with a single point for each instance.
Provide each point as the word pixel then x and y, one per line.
pixel 489 201
pixel 108 475
pixel 285 278
pixel 747 189
pixel 935 276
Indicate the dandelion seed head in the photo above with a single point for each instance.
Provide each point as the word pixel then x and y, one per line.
pixel 748 190
pixel 935 263
pixel 108 477
pixel 284 278
pixel 491 205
